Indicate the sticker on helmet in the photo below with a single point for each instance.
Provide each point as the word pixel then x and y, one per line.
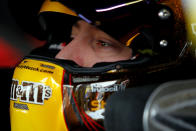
pixel 109 86
pixel 30 92
pixel 85 79
pixel 91 97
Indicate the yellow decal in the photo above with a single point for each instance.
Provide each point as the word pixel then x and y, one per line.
pixel 36 99
pixel 30 92
pixel 96 105
pixel 53 6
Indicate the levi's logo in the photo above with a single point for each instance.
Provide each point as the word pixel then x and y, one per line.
pixel 30 92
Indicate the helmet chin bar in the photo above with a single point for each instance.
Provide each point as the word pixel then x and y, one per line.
pixel 70 96
pixel 43 85
pixel 62 95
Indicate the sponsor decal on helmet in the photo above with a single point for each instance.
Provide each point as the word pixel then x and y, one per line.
pixel 47 66
pixel 85 79
pixel 34 69
pixel 92 96
pixel 57 46
pixel 30 92
pixel 21 106
pixel 109 86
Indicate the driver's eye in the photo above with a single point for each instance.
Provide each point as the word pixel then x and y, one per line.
pixel 103 43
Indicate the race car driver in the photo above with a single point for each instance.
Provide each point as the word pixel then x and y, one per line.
pixel 102 49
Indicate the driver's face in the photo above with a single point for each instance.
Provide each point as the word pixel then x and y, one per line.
pixel 91 45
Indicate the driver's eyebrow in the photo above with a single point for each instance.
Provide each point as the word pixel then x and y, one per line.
pixel 76 25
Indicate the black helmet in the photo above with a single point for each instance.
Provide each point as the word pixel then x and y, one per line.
pixel 159 26
pixel 159 32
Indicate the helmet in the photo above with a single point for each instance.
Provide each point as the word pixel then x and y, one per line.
pixel 66 96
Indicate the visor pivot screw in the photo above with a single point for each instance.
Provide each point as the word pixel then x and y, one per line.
pixel 163 43
pixel 164 14
pixel 118 67
pixel 97 23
